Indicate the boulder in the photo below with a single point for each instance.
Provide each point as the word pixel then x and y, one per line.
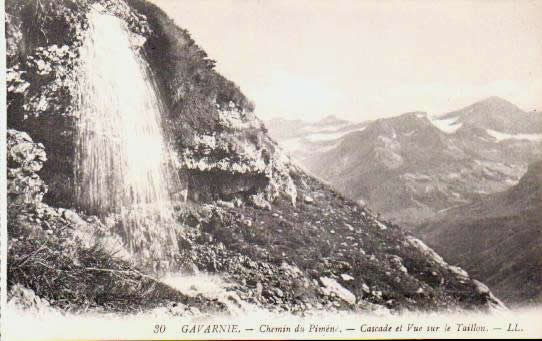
pixel 331 286
pixel 24 298
pixel 308 200
pixel 347 277
pixel 259 201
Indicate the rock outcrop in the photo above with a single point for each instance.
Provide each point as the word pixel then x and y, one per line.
pixel 221 152
pixel 24 158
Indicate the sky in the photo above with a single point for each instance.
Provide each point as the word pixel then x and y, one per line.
pixel 363 59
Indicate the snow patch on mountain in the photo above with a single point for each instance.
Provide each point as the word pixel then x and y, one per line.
pixel 500 136
pixel 421 115
pixel 447 125
pixel 325 136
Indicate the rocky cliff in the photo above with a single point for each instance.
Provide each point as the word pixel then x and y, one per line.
pixel 279 238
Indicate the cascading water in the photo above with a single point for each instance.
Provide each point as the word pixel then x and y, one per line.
pixel 122 163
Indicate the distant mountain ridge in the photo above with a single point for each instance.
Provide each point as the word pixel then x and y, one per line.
pixel 412 166
pixel 497 114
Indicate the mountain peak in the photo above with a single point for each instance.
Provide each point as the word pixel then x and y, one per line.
pixel 330 119
pixel 409 119
pixel 490 106
pixel 414 114
pixel 497 114
pixel 494 99
pixel 498 102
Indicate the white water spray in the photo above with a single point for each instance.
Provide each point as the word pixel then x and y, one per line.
pixel 122 164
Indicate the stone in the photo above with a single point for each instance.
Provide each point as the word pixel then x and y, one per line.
pixel 259 288
pixel 459 272
pixel 225 204
pixel 73 217
pixel 398 263
pixel 347 277
pixel 331 286
pixel 376 293
pixel 480 287
pixel 28 300
pixel 259 201
pixel 237 202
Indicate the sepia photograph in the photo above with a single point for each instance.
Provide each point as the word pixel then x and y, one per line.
pixel 250 169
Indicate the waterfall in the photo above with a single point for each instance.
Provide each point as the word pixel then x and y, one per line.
pixel 122 163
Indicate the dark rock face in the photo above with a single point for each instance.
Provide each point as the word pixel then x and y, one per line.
pixel 278 237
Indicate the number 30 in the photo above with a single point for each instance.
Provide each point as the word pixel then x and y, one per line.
pixel 159 328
